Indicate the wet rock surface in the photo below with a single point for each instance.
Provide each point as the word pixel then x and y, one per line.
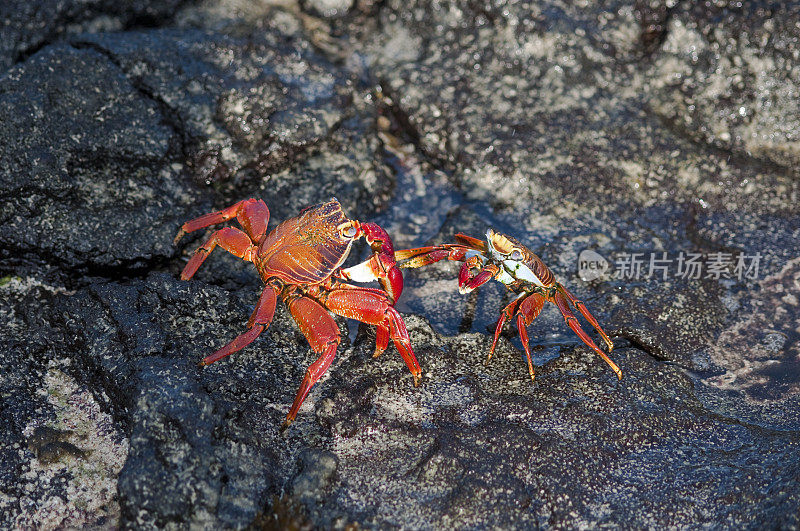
pixel 639 130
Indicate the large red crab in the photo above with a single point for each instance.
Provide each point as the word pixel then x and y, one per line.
pixel 300 263
pixel 505 259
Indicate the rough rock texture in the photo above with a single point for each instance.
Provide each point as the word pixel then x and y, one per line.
pixel 27 27
pixel 89 166
pixel 61 451
pixel 660 128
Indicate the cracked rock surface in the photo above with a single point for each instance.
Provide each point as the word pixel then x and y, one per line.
pixel 649 130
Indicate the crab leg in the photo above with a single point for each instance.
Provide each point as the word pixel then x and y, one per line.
pixel 472 243
pixel 588 316
pixel 252 214
pixel 572 321
pixel 375 308
pixel 498 329
pixel 507 313
pixel 383 330
pixel 389 275
pixel 523 337
pixel 323 335
pixel 231 239
pixel 528 310
pixel 531 307
pixel 258 322
pixel 422 256
pixel 382 336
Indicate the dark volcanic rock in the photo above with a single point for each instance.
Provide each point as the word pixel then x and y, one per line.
pixel 189 459
pixel 349 165
pixel 60 453
pixel 727 76
pixel 21 376
pixel 112 151
pixel 482 445
pixel 242 105
pixel 26 27
pixel 89 178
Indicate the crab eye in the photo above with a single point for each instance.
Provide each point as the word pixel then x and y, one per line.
pixel 348 231
pixel 516 254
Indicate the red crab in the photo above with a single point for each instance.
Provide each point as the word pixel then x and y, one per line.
pixel 300 263
pixel 505 259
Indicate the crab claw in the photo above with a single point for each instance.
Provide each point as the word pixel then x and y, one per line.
pixel 467 282
pixel 381 266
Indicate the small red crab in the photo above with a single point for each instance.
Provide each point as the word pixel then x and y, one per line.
pixel 300 263
pixel 505 259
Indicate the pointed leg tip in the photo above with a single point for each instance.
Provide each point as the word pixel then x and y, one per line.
pixel 181 234
pixel 202 363
pixel 285 425
pixel 377 353
pixel 417 380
